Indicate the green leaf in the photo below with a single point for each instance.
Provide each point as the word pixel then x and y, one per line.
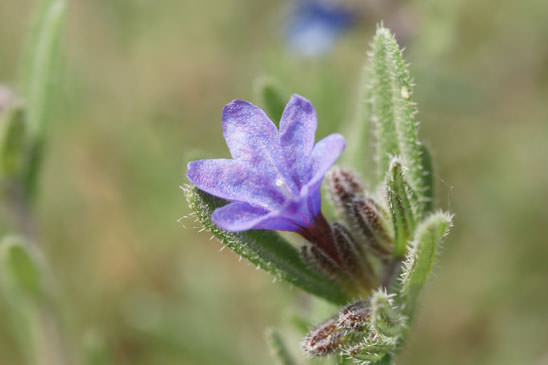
pixel 400 208
pixel 38 73
pixel 386 318
pixel 266 249
pixel 278 348
pixel 382 105
pixel 96 350
pixel 420 258
pixel 39 78
pixel 19 268
pixel 393 110
pixel 271 97
pixel 12 141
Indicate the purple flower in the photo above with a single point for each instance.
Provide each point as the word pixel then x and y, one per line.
pixel 315 25
pixel 273 179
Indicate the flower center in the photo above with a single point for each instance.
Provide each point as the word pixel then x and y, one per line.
pixel 284 188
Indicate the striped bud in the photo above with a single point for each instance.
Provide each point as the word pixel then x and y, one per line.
pixel 320 261
pixel 369 222
pixel 343 185
pixel 353 257
pixel 354 316
pixel 324 339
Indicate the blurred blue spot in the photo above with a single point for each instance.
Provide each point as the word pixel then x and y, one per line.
pixel 314 26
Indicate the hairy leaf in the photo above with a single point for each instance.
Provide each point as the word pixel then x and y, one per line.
pixel 400 208
pixel 393 110
pixel 421 255
pixel 266 249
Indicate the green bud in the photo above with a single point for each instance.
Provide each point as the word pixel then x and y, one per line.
pixel 385 317
pixel 372 349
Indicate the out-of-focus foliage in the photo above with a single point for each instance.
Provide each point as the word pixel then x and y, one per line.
pixel 145 83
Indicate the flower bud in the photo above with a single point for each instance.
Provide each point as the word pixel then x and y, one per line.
pixel 370 223
pixel 324 339
pixel 353 257
pixel 319 261
pixel 354 316
pixel 343 185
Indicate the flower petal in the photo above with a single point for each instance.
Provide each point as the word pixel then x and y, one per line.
pixel 324 155
pixel 239 217
pixel 253 138
pixel 297 130
pixel 235 180
pixel 248 132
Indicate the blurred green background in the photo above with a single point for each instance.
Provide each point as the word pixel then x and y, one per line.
pixel 145 83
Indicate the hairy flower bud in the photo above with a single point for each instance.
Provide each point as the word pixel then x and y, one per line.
pixel 354 257
pixel 343 185
pixel 369 222
pixel 354 316
pixel 324 339
pixel 320 261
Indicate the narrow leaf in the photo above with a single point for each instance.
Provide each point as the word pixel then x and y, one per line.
pixel 266 249
pixel 393 110
pixel 400 208
pixel 271 97
pixel 20 271
pixel 12 141
pixel 278 348
pixel 421 255
pixel 37 75
pixel 382 101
